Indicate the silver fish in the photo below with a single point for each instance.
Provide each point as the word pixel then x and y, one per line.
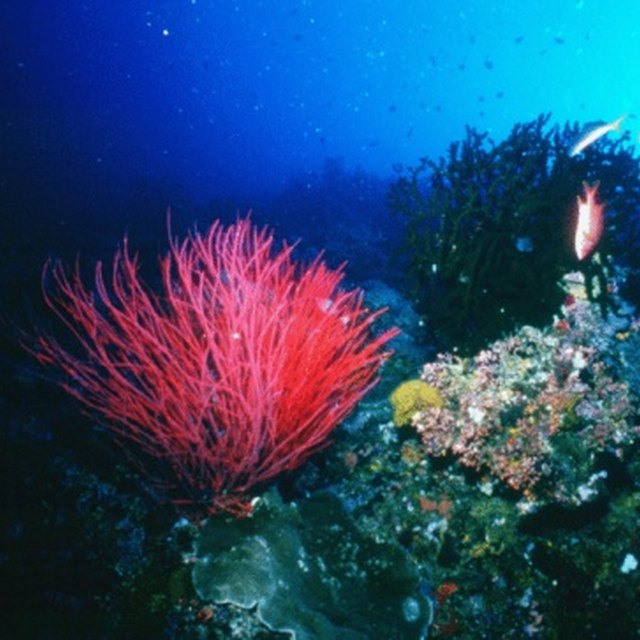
pixel 595 133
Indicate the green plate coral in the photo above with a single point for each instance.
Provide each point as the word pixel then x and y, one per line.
pixel 310 572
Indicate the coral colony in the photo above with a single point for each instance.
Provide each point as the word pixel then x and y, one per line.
pixel 245 363
pixel 492 227
pixel 509 409
pixel 237 373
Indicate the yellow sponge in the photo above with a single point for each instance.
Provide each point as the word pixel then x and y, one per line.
pixel 410 397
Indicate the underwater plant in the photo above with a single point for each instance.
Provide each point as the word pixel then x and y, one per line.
pixel 236 373
pixel 488 226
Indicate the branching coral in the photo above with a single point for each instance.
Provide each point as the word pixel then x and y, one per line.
pixel 236 373
pixel 487 227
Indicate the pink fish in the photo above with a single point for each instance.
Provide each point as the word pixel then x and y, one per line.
pixel 590 221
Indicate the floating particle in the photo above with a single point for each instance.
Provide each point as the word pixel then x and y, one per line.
pixel 524 244
pixel 629 564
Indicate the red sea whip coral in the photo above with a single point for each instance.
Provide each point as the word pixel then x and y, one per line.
pixel 236 373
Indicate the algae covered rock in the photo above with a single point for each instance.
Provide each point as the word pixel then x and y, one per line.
pixel 311 573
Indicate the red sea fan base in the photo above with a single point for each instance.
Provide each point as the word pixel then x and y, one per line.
pixel 236 373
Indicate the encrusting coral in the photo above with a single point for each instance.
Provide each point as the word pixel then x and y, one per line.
pixel 533 409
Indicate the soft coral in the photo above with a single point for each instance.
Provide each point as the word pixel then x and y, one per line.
pixel 236 373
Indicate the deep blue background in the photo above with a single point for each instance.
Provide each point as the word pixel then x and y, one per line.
pixel 234 98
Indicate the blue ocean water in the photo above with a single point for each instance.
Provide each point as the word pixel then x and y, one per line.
pixel 235 98
pixel 303 111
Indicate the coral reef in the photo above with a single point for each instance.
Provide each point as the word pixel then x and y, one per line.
pixel 556 557
pixel 534 409
pixel 528 530
pixel 310 572
pixel 488 225
pixel 96 558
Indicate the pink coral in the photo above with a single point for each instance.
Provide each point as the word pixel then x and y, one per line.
pixel 504 409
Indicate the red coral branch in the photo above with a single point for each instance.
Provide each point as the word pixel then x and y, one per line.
pixel 236 373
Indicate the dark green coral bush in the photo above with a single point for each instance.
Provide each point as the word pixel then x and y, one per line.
pixel 489 227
